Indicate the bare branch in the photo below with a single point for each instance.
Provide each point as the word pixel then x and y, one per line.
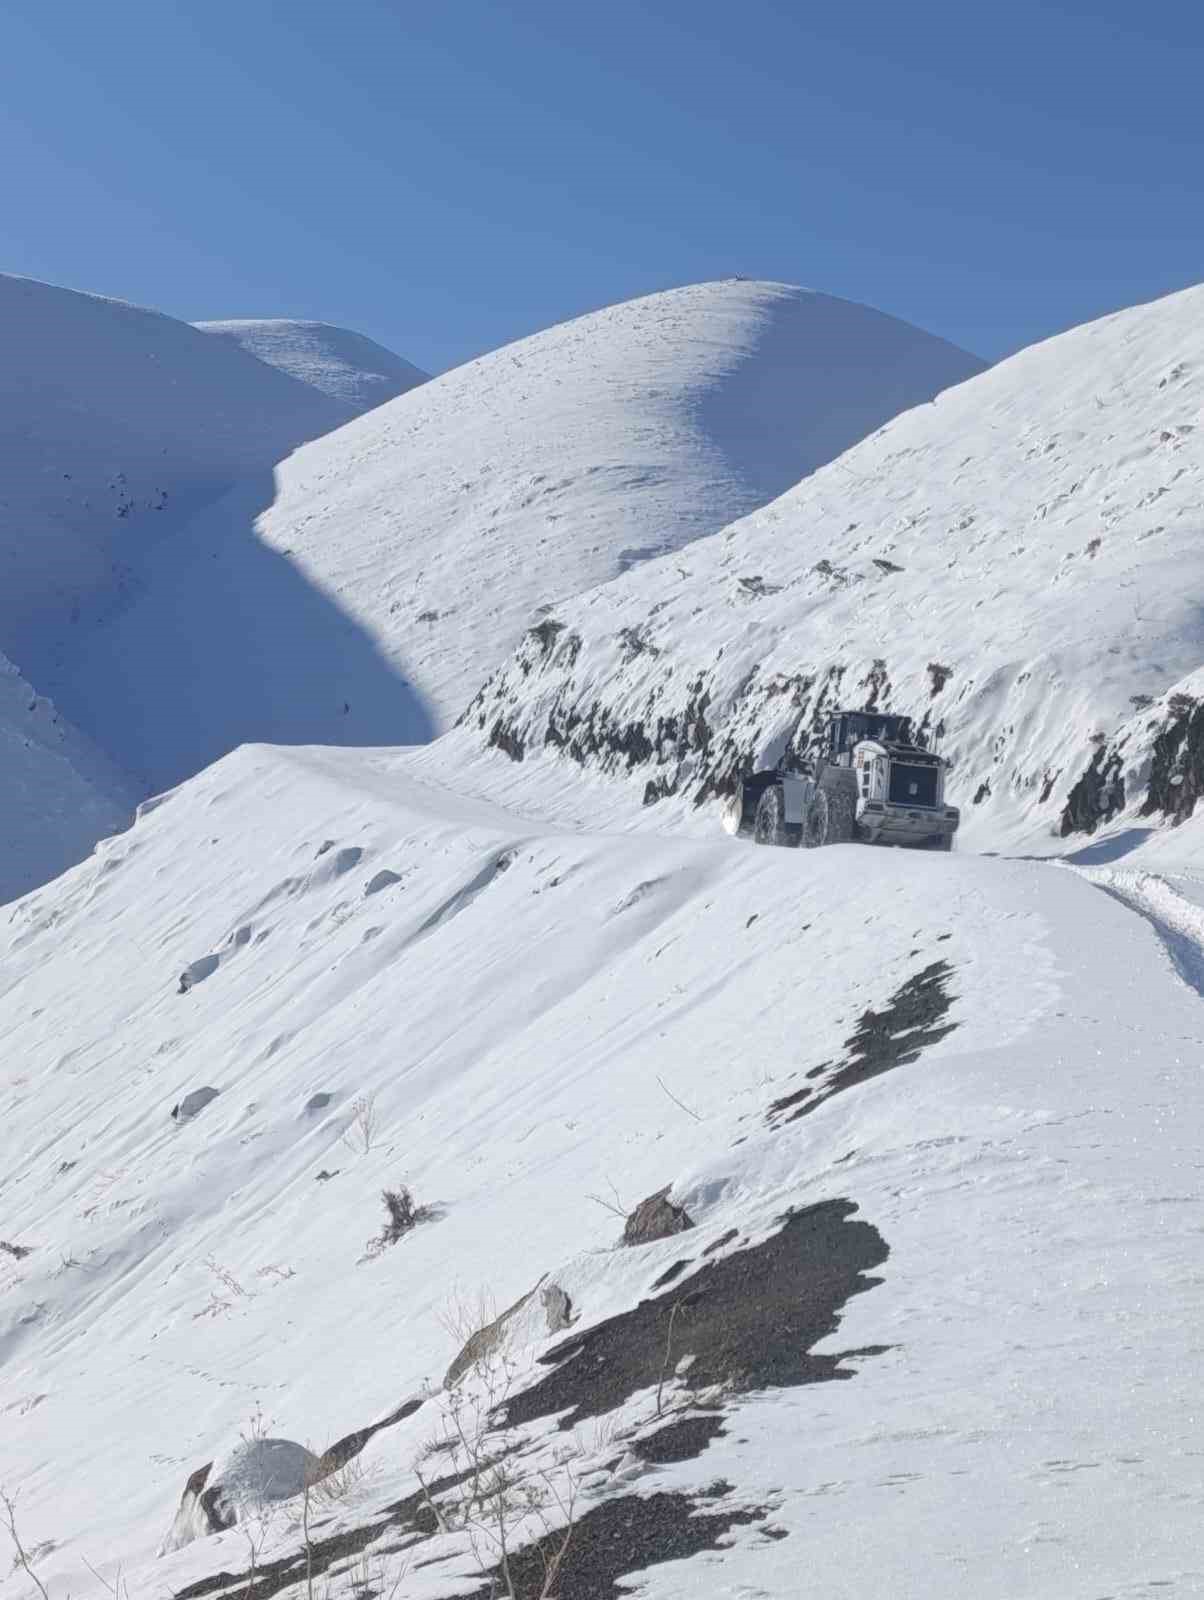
pixel 676 1101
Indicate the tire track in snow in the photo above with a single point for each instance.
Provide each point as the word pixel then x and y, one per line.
pixel 1177 919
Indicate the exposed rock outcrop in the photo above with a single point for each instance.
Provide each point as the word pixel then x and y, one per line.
pixel 656 1218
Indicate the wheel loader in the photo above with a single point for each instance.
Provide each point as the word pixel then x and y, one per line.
pixel 871 782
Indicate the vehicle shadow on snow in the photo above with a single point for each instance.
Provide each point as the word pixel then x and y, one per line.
pixel 224 641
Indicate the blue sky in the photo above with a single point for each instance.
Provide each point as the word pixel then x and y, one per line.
pixel 451 175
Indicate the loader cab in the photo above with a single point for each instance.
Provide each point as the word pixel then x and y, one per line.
pixel 848 728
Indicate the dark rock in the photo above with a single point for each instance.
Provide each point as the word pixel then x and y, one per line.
pixel 506 738
pixel 670 1274
pixel 1097 796
pixel 939 676
pixel 679 1441
pixel 655 1218
pixel 912 1020
pixel 481 1345
pixel 557 1307
pixel 1177 773
pixel 749 1319
pixel 718 1244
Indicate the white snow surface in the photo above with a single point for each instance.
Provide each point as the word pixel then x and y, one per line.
pixel 116 425
pixel 1017 566
pixel 511 988
pixel 539 1019
pixel 353 370
pixel 58 793
pixel 395 562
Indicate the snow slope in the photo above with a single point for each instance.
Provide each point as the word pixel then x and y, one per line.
pixel 117 424
pixel 118 427
pixel 530 1026
pixel 440 524
pixel 1017 566
pixel 58 794
pixel 356 372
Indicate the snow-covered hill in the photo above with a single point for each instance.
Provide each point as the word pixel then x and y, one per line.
pixel 933 1144
pixel 437 527
pixel 58 794
pixel 356 372
pixel 1016 566
pixel 118 424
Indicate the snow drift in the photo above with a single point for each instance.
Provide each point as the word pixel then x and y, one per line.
pixel 1016 566
pixel 354 371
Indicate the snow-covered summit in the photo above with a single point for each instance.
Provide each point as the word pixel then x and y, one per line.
pixel 1016 566
pixel 353 370
pixel 446 520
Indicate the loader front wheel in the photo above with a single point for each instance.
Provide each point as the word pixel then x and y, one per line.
pixel 816 821
pixel 842 818
pixel 770 826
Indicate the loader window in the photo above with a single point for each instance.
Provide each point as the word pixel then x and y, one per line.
pixel 914 786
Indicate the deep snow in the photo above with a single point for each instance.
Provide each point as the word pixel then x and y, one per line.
pixel 356 372
pixel 1016 566
pixel 970 1085
pixel 542 1020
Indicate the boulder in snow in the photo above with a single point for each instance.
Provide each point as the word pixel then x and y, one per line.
pixel 656 1218
pixel 256 1473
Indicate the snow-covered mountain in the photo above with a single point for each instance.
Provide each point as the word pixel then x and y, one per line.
pixel 932 1143
pixel 432 531
pixel 356 372
pixel 118 424
pixel 1016 566
pixel 334 1086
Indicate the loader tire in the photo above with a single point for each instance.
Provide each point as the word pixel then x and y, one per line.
pixel 816 820
pixel 842 818
pixel 770 826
